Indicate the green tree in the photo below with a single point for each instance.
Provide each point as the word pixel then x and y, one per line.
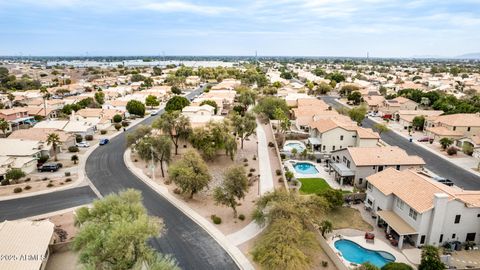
pixel 282 117
pixel 323 88
pixel 336 76
pixel 138 133
pixel 467 148
pixel 268 105
pixel 176 90
pixel 157 147
pixel 347 89
pixel 176 103
pixel 211 103
pixel 246 96
pixel 213 137
pixel 430 259
pixel 367 266
pixel 175 125
pixel 190 173
pixel 100 97
pixel 289 175
pixel 14 174
pixel 418 122
pixel 54 140
pixel 113 233
pixel 318 71
pixel 4 125
pixel 233 188
pixel 277 84
pixel 243 126
pixel 136 107
pixel 358 114
pixel 381 128
pixel 355 96
pixel 397 266
pixel 326 226
pixel 333 197
pixel 151 101
pixel 117 118
pixel 74 158
pixel 446 142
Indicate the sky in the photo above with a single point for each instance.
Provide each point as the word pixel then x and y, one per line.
pixel 395 28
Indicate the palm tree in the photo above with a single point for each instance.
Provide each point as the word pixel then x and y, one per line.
pixel 326 226
pixel 54 140
pixel 74 159
pixel 4 126
pixel 294 152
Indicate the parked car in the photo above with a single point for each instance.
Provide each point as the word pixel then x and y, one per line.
pixel 103 141
pixel 425 139
pixel 154 113
pixel 49 167
pixel 82 144
pixel 444 181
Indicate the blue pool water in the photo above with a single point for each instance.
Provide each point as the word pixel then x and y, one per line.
pixel 297 146
pixel 305 168
pixel 354 253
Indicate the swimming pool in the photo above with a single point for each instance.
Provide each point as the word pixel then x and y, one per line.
pixel 305 168
pixel 289 145
pixel 354 253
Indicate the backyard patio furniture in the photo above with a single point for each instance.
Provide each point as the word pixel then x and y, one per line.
pixel 369 236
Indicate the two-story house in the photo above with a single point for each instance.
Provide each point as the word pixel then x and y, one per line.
pixel 352 165
pixel 422 211
pixel 327 135
pixel 390 106
pixel 453 126
pixel 16 117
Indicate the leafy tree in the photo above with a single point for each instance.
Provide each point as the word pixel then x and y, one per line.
pixel 367 266
pixel 333 197
pixel 213 137
pixel 100 97
pixel 151 101
pixel 190 173
pixel 175 125
pixel 323 88
pixel 467 148
pixel 74 158
pixel 243 126
pixel 176 103
pixel 117 118
pixel 233 188
pixel 289 175
pixel 158 147
pixel 211 103
pixel 418 122
pixel 430 259
pixel 14 174
pixel 113 233
pixel 446 142
pixel 326 226
pixel 138 133
pixel 137 78
pixel 277 84
pixel 347 89
pixel 357 114
pixel 136 107
pixel 355 96
pixel 54 140
pixel 87 103
pixel 176 90
pixel 397 266
pixel 381 128
pixel 268 105
pixel 4 126
pixel 318 71
pixel 281 116
pixel 157 71
pixel 294 152
pixel 246 96
pixel 337 77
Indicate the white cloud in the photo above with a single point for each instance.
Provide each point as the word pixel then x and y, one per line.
pixel 178 6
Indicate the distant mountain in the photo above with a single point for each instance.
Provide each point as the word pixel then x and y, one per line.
pixel 428 56
pixel 469 56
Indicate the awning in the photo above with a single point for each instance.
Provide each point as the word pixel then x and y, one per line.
pixel 396 223
pixel 314 141
pixel 342 170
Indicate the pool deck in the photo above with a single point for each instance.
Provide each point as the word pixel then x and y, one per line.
pixel 322 173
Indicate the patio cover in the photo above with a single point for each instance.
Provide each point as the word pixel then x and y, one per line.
pixel 396 223
pixel 314 141
pixel 342 170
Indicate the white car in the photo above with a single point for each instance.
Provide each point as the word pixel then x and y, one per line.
pixel 82 144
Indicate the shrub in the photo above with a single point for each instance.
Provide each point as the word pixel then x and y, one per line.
pixel 68 173
pixel 245 160
pixel 27 179
pixel 135 160
pixel 278 172
pixel 17 190
pixel 250 174
pixel 254 157
pixel 271 144
pixel 177 191
pixel 27 187
pixel 78 138
pixel 72 149
pixel 60 165
pixel 50 185
pixel 324 263
pixel 125 123
pixel 216 220
pixel 118 126
pixel 252 169
pixel 42 159
pixel 241 217
pixel 103 132
pixel 45 179
pixel 246 164
pixel 88 137
pixel 280 180
pixel 5 182
pixel 452 150
pixel 117 118
pixel 68 180
pixel 467 149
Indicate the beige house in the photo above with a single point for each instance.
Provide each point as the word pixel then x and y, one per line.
pixel 28 241
pixel 453 126
pixel 353 165
pixel 405 117
pixel 41 135
pixel 391 106
pixel 27 164
pixel 374 103
pixel 199 116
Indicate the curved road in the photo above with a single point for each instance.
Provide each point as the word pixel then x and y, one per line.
pixel 434 163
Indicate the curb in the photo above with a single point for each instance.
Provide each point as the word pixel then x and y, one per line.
pixel 238 257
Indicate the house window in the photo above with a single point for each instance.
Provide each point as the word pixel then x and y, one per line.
pixel 398 167
pixel 374 167
pixel 354 136
pixel 324 148
pixel 360 181
pixel 468 129
pixel 348 163
pixel 333 148
pixel 457 219
pixel 441 238
pixel 413 214
pixel 380 168
pixel 470 237
pixel 422 240
pixel 369 186
pixel 400 204
pixel 478 215
pixel 341 138
pixel 454 128
pixel 454 235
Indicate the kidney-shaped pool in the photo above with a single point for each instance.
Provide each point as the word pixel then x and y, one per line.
pixel 355 253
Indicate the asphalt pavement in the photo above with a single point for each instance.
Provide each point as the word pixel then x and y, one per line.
pixel 434 163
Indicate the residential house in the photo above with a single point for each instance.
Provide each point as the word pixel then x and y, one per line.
pixel 405 117
pixel 391 106
pixel 81 128
pixel 352 165
pixel 421 211
pixel 374 103
pixel 17 118
pixel 24 148
pixel 41 135
pixel 223 98
pixel 453 126
pixel 199 116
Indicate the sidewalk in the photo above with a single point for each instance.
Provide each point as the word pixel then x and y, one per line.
pixel 266 179
pixel 239 258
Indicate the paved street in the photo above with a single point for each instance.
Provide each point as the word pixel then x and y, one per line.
pixel 42 204
pixel 436 164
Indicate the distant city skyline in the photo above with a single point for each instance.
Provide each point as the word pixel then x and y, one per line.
pixel 352 28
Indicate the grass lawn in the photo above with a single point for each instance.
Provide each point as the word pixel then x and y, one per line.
pixel 313 185
pixel 345 217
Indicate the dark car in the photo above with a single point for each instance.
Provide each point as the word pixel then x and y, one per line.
pixel 103 141
pixel 49 167
pixel 425 139
pixel 444 181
